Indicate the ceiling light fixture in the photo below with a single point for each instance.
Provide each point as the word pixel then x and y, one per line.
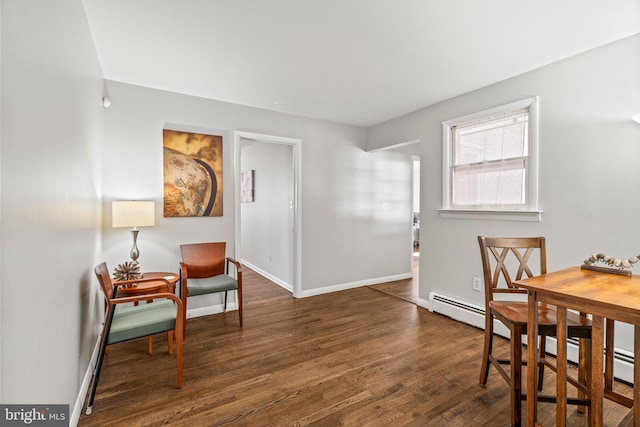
pixel 636 118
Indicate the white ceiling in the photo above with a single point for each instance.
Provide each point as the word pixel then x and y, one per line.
pixel 359 62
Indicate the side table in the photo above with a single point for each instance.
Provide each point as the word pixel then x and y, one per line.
pixel 149 287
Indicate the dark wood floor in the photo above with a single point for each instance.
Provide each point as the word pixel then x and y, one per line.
pixel 353 358
pixel 404 289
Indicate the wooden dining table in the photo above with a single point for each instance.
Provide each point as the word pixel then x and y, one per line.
pixel 607 297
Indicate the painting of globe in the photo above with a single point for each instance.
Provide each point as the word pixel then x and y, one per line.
pixel 191 184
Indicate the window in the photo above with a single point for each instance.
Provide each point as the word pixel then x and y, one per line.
pixel 490 163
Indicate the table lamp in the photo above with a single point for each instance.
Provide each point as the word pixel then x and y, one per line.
pixel 133 213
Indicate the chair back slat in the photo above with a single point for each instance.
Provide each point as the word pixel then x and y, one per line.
pixel 506 260
pixel 204 259
pixel 102 273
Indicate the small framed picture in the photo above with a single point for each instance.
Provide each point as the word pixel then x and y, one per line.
pixel 246 186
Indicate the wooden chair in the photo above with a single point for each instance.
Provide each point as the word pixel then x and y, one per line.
pixel 130 322
pixel 499 256
pixel 205 270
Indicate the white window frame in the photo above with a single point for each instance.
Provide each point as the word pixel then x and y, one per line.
pixel 530 211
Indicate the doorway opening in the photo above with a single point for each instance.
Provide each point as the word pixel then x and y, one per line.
pixel 289 251
pixel 408 289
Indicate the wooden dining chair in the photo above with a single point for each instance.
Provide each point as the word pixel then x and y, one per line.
pixel 124 323
pixel 205 270
pixel 504 261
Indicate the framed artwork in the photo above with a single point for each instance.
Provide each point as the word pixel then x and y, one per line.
pixel 192 174
pixel 247 194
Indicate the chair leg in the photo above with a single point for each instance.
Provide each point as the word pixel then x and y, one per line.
pixel 516 376
pixel 543 349
pixel 609 326
pixel 184 317
pixel 488 345
pixel 96 377
pixel 239 294
pixel 179 341
pixel 101 352
pixel 225 300
pixel 584 374
pixel 179 336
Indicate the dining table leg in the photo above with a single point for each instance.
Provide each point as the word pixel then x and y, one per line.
pixel 636 375
pixel 532 359
pixel 597 383
pixel 561 380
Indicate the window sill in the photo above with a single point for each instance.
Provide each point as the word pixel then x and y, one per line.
pixel 524 216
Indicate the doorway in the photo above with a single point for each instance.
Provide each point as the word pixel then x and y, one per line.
pixel 408 289
pixel 287 252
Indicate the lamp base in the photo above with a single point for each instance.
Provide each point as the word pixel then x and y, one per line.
pixel 135 253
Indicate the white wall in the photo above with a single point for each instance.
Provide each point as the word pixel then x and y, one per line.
pixel 51 126
pixel 589 168
pixel 267 223
pixel 355 225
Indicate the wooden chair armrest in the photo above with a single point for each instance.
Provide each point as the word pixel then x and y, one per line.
pixel 183 280
pixel 142 280
pixel 183 270
pixel 146 297
pixel 234 262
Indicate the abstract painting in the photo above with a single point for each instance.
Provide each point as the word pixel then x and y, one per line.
pixel 192 174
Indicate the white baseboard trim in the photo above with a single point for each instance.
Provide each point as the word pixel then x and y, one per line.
pixel 269 276
pixel 357 284
pixel 474 315
pixel 332 288
pixel 74 417
pixel 210 309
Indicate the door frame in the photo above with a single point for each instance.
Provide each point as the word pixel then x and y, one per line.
pixel 296 145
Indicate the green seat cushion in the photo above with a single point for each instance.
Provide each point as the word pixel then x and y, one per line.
pixel 140 321
pixel 211 285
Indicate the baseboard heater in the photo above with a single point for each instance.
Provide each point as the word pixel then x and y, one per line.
pixel 474 315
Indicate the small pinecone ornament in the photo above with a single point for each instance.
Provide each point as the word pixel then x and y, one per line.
pixel 127 271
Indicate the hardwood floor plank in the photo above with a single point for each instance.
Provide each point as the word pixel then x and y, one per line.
pixel 360 357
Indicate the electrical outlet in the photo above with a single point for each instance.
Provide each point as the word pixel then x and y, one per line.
pixel 476 284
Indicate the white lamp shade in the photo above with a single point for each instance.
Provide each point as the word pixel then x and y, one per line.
pixel 636 117
pixel 133 213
